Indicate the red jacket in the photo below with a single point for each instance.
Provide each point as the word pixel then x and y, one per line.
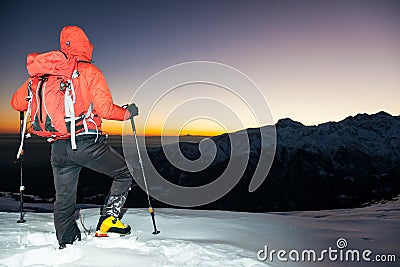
pixel 93 85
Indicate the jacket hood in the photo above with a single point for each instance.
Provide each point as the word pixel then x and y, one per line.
pixel 73 41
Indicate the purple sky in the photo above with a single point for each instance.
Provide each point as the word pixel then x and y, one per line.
pixel 314 61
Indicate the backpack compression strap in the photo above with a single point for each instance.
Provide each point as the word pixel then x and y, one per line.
pixel 69 100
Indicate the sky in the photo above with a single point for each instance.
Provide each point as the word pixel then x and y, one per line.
pixel 312 61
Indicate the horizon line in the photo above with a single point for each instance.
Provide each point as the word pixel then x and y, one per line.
pixel 202 135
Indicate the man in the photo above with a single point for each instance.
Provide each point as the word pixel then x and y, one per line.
pixel 91 149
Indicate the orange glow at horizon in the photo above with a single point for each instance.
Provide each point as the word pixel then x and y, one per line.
pixel 116 128
pixel 10 125
pixel 195 128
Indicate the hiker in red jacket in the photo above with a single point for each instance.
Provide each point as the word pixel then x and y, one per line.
pixel 91 149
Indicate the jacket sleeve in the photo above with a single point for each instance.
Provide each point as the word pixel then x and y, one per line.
pixel 101 97
pixel 18 100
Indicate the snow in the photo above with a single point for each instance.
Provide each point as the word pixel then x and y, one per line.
pixel 202 238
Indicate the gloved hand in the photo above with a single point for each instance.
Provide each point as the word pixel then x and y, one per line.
pixel 133 110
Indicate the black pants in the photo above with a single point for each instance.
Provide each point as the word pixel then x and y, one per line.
pixel 67 164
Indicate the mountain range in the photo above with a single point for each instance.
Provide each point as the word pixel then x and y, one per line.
pixel 332 165
pixel 343 164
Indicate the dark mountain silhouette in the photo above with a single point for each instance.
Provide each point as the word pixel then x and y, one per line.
pixel 333 165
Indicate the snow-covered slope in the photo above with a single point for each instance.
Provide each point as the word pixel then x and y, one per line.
pixel 206 238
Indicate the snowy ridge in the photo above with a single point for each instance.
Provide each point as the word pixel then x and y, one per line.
pixel 375 135
pixel 333 165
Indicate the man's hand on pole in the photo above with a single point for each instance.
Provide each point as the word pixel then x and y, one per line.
pixel 133 110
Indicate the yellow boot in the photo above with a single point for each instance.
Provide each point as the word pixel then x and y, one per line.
pixel 108 224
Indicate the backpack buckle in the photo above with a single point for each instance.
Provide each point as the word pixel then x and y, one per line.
pixel 64 85
pixel 44 78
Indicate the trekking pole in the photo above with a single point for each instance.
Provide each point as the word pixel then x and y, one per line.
pixel 20 159
pixel 151 210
